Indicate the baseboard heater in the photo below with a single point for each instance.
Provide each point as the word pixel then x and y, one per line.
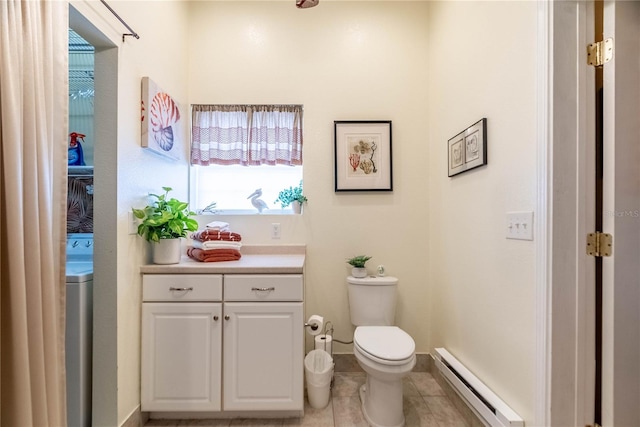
pixel 489 407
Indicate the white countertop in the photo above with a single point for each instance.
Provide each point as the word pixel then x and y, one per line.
pixel 256 259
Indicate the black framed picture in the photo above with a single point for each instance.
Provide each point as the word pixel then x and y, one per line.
pixel 363 155
pixel 468 149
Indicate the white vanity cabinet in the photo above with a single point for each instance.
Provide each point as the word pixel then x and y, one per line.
pixel 263 342
pixel 181 342
pixel 222 343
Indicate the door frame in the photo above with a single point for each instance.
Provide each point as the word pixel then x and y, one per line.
pixel 105 307
pixel 565 372
pixel 565 275
pixel 621 202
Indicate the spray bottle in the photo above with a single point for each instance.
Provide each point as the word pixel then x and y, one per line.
pixel 76 157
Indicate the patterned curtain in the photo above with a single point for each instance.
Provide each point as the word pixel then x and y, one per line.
pixel 246 135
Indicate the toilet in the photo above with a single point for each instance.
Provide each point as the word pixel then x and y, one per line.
pixel 385 352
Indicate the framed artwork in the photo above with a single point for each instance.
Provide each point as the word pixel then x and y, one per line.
pixel 162 122
pixel 468 149
pixel 363 155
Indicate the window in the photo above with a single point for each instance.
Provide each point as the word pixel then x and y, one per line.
pixel 239 149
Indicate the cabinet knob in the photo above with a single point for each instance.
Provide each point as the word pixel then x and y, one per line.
pixel 215 318
pixel 226 317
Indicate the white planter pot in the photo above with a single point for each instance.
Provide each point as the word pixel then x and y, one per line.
pixel 166 251
pixel 296 206
pixel 359 272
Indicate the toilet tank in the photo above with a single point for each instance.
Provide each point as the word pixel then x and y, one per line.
pixel 372 300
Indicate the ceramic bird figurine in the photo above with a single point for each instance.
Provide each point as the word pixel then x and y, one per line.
pixel 255 200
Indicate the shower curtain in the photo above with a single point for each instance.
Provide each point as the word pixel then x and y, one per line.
pixel 33 158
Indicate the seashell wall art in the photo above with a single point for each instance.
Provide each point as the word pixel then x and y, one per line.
pixel 162 130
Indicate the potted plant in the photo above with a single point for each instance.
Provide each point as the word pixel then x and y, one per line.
pixel 292 196
pixel 358 264
pixel 163 223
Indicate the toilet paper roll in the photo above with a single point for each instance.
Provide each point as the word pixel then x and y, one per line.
pixel 315 324
pixel 324 342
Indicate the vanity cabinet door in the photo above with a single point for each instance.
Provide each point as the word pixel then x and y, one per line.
pixel 181 356
pixel 263 356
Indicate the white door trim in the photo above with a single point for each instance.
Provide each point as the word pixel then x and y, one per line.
pixel 566 210
pixel 543 233
pixel 621 202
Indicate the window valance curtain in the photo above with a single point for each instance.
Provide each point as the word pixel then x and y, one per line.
pixel 246 134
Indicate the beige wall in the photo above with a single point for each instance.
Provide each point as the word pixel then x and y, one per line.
pixel 342 61
pixel 159 54
pixel 482 286
pixel 432 68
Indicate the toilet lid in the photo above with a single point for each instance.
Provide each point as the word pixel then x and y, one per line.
pixel 385 342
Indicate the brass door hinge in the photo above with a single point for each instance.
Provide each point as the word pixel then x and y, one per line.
pixel 599 244
pixel 599 53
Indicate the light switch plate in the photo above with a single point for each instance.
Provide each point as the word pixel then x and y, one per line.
pixel 520 225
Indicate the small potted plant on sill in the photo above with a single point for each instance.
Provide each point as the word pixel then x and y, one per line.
pixel 163 223
pixel 292 196
pixel 358 264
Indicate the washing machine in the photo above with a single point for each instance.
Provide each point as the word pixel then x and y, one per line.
pixel 79 328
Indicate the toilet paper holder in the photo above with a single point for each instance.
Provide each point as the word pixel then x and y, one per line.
pixel 327 335
pixel 322 332
pixel 313 326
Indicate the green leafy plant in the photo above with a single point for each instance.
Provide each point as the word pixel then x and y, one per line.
pixel 291 194
pixel 165 218
pixel 358 261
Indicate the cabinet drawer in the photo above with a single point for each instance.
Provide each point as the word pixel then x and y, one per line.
pixel 182 287
pixel 263 287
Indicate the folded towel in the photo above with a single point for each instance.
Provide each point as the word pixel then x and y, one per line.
pixel 216 244
pixel 208 234
pixel 213 255
pixel 218 225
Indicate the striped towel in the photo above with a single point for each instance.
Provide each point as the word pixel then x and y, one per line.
pixel 207 235
pixel 213 255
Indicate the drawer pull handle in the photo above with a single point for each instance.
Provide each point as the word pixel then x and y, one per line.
pixel 215 318
pixel 226 317
pixel 264 289
pixel 180 289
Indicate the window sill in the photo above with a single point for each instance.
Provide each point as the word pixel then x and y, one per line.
pixel 249 212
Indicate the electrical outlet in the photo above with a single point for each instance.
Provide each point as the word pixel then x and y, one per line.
pixel 275 230
pixel 520 225
pixel 133 223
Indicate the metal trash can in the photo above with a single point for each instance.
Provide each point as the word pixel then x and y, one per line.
pixel 318 369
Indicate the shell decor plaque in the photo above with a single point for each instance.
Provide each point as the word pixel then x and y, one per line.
pixel 162 122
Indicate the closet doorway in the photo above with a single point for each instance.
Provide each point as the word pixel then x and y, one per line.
pixel 81 135
pixel 79 248
pixel 105 137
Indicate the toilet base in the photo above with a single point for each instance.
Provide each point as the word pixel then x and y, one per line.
pixel 381 395
pixel 390 414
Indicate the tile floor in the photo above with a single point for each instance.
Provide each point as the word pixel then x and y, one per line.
pixel 425 404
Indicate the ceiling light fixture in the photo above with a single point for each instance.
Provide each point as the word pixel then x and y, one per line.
pixel 304 4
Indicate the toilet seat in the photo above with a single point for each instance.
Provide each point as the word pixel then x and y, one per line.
pixel 388 345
